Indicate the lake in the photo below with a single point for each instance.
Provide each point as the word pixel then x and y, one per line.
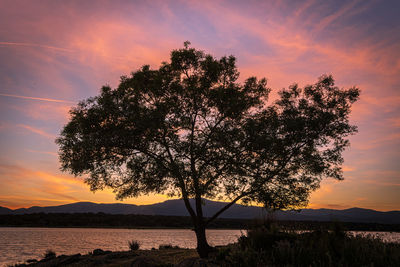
pixel 18 244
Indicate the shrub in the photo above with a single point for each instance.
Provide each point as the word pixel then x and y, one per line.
pixel 134 245
pixel 49 254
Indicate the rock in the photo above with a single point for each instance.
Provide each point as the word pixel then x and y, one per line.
pixel 31 260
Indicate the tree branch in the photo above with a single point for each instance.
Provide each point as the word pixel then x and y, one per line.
pixel 180 179
pixel 225 208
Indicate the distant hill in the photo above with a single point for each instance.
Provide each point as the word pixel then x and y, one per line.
pixel 5 210
pixel 177 208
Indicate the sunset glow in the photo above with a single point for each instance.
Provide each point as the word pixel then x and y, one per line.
pixel 55 53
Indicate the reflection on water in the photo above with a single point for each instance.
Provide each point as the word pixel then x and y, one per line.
pixel 20 244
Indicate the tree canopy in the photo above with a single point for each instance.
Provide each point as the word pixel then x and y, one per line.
pixel 191 129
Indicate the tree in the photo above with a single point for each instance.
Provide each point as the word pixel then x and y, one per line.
pixel 190 129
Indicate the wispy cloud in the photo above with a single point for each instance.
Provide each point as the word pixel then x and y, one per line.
pixel 328 20
pixel 348 168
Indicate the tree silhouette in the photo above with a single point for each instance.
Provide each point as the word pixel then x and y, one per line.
pixel 190 129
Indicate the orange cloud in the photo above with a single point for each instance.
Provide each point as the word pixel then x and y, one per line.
pixel 377 142
pixel 348 168
pixel 23 201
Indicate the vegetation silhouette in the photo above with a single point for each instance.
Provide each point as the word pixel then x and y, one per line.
pixel 266 246
pixel 190 129
pixel 133 245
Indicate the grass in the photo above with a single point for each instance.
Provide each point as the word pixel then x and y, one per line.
pixel 134 245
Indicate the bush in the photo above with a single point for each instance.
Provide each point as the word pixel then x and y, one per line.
pixel 49 254
pixel 134 245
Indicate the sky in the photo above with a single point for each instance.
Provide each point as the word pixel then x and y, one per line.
pixel 56 53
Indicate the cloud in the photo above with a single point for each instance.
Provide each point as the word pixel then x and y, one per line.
pixel 381 177
pixel 16 201
pixel 376 142
pixel 348 168
pixel 46 112
pixel 34 184
pixel 349 7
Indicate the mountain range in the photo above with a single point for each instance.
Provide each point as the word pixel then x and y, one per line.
pixel 177 208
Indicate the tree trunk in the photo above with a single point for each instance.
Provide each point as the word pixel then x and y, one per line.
pixel 202 246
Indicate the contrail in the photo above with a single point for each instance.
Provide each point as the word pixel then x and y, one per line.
pixel 62 49
pixel 37 131
pixel 37 45
pixel 39 98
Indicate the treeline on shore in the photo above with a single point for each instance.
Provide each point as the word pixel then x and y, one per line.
pixel 102 220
